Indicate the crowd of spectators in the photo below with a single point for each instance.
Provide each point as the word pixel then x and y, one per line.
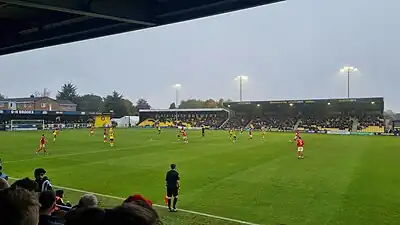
pixel 237 122
pixel 210 120
pixel 35 202
pixel 274 122
pixel 338 122
pixel 367 121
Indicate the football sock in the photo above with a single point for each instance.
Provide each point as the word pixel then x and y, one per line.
pixel 169 203
pixel 175 201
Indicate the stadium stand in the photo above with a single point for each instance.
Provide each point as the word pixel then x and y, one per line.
pixel 371 124
pixel 211 118
pixel 336 115
pixel 327 123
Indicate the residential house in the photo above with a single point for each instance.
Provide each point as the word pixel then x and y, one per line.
pixel 37 103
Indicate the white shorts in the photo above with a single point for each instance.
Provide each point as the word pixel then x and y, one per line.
pixel 251 135
pixel 299 149
pixel 105 136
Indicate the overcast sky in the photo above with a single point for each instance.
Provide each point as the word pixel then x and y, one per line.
pixel 289 50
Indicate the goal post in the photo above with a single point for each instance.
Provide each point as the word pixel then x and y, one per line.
pixel 16 125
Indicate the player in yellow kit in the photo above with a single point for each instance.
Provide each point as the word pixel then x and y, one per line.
pixel 111 138
pixel 230 133
pixel 263 132
pixel 55 131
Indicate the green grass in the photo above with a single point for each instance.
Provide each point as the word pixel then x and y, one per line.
pixel 343 179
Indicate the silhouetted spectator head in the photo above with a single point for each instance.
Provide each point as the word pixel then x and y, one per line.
pixel 26 183
pixel 88 201
pixel 131 214
pixel 47 199
pixel 18 206
pixel 85 216
pixel 60 193
pixel 139 200
pixel 39 173
pixel 3 184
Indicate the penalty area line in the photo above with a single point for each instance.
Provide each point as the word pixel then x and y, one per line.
pixel 156 205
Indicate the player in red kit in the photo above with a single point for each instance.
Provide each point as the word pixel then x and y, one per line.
pixel 105 135
pixel 250 134
pixel 184 134
pixel 300 150
pixel 42 145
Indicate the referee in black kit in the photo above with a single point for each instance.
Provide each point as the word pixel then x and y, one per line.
pixel 172 180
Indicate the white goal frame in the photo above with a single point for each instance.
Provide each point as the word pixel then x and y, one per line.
pixel 12 123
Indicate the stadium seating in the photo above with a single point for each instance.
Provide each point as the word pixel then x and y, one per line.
pixel 188 122
pixel 325 123
pixel 237 122
pixel 274 122
pixel 371 124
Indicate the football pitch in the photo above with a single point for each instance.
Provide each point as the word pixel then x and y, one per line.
pixel 342 180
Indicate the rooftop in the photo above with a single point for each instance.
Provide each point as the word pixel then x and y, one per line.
pixel 40 23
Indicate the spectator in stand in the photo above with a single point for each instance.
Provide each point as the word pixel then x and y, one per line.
pixel 139 200
pixel 26 184
pixel 85 216
pixel 87 201
pixel 42 180
pixel 59 199
pixel 47 200
pixel 131 214
pixel 2 174
pixel 18 207
pixel 3 184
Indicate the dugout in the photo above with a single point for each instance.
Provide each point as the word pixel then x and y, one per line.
pixel 312 107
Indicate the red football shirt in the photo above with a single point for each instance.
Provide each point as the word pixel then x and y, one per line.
pixel 300 143
pixel 42 140
pixel 184 133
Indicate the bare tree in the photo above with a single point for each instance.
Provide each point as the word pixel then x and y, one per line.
pixel 45 93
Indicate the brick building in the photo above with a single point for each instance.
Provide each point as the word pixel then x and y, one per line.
pixel 37 104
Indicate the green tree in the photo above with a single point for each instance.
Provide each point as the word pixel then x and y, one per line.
pixel 172 106
pixel 131 109
pixel 115 103
pixel 68 92
pixel 210 103
pixel 91 103
pixel 142 104
pixel 191 104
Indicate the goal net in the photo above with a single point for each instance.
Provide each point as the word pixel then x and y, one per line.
pixel 16 125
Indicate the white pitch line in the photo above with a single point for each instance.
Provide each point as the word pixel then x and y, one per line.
pixel 80 153
pixel 159 206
